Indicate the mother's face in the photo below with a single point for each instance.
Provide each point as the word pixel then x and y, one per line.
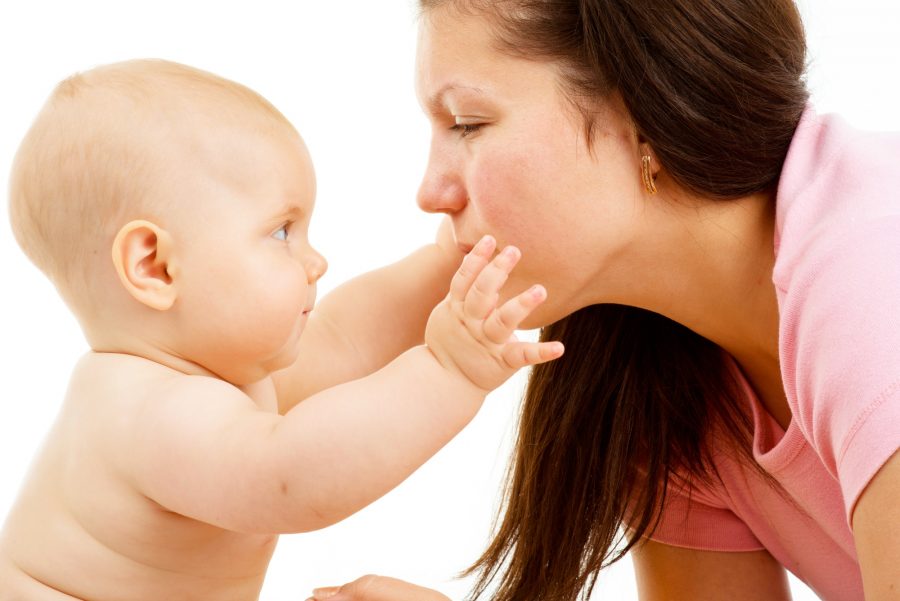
pixel 509 158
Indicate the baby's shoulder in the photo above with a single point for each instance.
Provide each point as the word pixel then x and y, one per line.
pixel 126 388
pixel 124 408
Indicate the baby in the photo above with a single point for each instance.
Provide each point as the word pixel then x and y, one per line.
pixel 170 207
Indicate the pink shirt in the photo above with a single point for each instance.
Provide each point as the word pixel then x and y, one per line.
pixel 837 277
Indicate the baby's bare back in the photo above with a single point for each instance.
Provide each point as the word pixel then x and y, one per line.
pixel 82 529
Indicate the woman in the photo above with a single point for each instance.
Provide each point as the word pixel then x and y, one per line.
pixel 723 266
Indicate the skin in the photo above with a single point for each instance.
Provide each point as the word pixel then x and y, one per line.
pixel 521 170
pixel 182 448
pixel 508 156
pixel 274 190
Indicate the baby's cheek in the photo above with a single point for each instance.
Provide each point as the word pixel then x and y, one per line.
pixel 287 297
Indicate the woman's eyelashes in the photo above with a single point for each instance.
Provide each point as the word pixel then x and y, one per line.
pixel 466 129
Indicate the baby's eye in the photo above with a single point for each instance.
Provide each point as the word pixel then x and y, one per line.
pixel 282 232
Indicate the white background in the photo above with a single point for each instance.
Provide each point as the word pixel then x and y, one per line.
pixel 342 71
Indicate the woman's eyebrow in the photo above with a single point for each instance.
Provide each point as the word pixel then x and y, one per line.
pixel 437 100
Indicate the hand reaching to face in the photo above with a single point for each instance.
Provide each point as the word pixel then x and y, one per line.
pixel 470 335
pixel 377 588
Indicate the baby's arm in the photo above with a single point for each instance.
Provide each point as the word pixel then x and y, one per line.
pixel 368 321
pixel 246 470
pixel 471 336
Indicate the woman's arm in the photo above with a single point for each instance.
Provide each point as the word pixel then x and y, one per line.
pixel 667 573
pixel 876 529
pixel 664 573
pixel 377 588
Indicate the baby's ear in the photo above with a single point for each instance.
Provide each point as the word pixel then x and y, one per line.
pixel 142 254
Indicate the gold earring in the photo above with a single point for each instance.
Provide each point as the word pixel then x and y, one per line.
pixel 647 175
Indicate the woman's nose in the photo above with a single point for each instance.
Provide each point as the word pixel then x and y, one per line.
pixel 315 266
pixel 441 190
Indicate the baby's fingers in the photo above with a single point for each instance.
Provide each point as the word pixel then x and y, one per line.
pixel 482 296
pixel 522 354
pixel 472 265
pixel 501 324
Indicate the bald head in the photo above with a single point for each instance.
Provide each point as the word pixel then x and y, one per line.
pixel 107 147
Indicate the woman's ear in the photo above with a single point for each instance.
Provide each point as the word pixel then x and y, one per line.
pixel 143 257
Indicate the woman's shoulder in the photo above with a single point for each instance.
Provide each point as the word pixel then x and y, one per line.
pixel 837 275
pixel 837 184
pixel 830 160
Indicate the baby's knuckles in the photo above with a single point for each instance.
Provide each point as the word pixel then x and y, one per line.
pixel 459 350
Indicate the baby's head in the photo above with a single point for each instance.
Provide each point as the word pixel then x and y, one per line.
pixel 170 208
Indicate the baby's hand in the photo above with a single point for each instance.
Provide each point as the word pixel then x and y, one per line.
pixel 470 335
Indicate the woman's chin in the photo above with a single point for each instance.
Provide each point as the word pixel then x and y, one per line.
pixel 540 317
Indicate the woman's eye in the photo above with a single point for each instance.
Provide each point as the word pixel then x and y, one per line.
pixel 466 129
pixel 281 233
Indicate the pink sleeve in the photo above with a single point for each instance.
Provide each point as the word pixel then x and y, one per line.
pixel 841 351
pixel 696 519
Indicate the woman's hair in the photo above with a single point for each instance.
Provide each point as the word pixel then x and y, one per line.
pixel 716 88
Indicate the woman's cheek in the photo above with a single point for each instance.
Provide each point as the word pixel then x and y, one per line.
pixel 499 191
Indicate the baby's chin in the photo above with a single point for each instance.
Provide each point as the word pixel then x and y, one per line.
pixel 289 352
pixel 250 370
pixel 282 360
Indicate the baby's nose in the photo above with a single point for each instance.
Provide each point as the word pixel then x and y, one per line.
pixel 316 266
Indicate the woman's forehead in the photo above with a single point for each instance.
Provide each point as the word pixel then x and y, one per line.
pixel 458 55
pixel 450 43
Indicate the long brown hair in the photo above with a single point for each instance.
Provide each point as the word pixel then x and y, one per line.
pixel 716 88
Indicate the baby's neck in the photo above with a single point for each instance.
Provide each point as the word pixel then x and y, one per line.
pixel 155 355
pixel 262 392
pixel 179 365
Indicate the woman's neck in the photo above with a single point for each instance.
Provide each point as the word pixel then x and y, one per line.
pixel 712 272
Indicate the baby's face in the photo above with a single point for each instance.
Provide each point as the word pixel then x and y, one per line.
pixel 246 269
